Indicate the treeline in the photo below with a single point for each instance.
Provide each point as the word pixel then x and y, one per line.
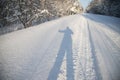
pixel 104 7
pixel 30 12
pixel 24 11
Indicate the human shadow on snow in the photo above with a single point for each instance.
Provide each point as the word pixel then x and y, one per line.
pixel 65 48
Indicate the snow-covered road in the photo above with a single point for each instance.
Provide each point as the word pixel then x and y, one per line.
pixel 77 47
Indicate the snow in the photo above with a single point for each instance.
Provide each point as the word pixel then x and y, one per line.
pixel 77 47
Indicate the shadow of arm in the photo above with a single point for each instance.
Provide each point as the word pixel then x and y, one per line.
pixel 61 31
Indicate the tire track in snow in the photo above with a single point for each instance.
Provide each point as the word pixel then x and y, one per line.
pixel 108 54
pixel 82 54
pixel 104 47
pixel 94 56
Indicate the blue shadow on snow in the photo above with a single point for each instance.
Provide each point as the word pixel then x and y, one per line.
pixel 65 48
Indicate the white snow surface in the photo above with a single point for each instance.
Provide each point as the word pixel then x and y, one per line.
pixel 77 47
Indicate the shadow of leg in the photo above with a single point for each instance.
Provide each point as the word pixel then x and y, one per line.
pixel 70 70
pixel 56 67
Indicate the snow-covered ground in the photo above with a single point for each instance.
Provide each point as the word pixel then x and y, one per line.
pixel 78 47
